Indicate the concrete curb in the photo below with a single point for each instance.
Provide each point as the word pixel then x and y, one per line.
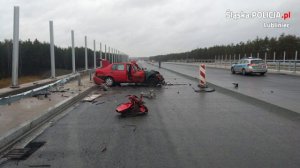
pixel 11 137
pixel 272 107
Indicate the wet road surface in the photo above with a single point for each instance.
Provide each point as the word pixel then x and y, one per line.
pixel 279 89
pixel 182 129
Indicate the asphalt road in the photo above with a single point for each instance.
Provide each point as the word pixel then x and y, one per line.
pixel 183 129
pixel 278 89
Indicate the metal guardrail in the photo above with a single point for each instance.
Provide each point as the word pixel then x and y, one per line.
pixel 42 89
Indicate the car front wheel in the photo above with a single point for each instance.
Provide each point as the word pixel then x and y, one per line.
pixel 109 81
pixel 232 71
pixel 153 81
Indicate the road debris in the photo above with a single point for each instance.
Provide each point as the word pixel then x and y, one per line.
pixel 132 126
pixel 42 94
pixel 172 84
pixel 149 95
pixel 62 95
pixel 100 103
pixel 43 165
pixel 103 150
pixel 59 89
pixel 236 85
pixel 91 98
pixel 103 147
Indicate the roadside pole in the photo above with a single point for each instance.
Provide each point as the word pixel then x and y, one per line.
pixel 295 66
pixel 109 58
pixel 105 56
pixel 95 54
pixel 85 53
pixel 265 57
pixel 52 54
pixel 15 55
pixel 100 55
pixel 73 51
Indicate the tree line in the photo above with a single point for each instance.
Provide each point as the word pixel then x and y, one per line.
pixel 284 43
pixel 34 58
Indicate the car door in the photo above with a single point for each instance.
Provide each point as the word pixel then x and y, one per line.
pixel 138 75
pixel 238 66
pixel 119 73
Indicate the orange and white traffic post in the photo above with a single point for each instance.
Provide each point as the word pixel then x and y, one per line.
pixel 202 81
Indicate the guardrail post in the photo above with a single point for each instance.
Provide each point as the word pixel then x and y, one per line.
pixel 258 55
pixel 239 56
pixel 283 56
pixel 274 57
pixel 290 64
pixel 73 51
pixel 15 55
pixel 295 66
pixel 95 54
pixel 85 53
pixel 52 54
pixel 79 79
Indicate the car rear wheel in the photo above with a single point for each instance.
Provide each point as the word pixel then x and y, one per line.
pixel 243 72
pixel 232 71
pixel 109 81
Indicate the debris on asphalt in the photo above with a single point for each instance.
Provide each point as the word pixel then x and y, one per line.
pixel 100 103
pixel 59 89
pixel 91 98
pixel 149 95
pixel 44 165
pixel 39 94
pixel 103 87
pixel 62 95
pixel 236 85
pixel 132 126
pixel 103 149
pixel 172 84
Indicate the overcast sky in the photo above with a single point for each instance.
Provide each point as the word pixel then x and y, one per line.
pixel 145 27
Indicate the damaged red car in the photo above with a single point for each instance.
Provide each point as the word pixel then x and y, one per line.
pixel 126 72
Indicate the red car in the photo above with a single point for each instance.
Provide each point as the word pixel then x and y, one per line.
pixel 126 72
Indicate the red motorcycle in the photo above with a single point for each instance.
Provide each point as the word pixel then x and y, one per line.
pixel 135 106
